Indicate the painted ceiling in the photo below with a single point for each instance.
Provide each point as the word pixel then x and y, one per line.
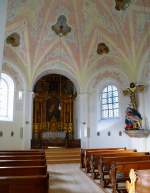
pixel 126 33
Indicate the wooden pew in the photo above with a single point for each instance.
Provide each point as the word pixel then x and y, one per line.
pixel 94 158
pixel 124 168
pixel 24 184
pixel 21 157
pixel 22 153
pixel 23 170
pixel 30 162
pixel 83 153
pixel 105 164
pixel 95 155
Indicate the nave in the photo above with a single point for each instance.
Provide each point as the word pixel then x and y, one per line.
pixel 68 178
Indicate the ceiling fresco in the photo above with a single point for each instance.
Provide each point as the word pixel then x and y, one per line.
pixel 125 32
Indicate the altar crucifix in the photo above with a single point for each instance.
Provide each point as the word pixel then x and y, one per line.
pixel 132 92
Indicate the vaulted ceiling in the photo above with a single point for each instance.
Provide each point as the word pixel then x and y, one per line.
pixel 126 33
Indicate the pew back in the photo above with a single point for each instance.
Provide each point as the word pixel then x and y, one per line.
pixel 23 170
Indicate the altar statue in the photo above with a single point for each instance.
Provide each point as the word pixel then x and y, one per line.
pixel 132 92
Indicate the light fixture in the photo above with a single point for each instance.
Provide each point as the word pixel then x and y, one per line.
pixel 59 107
pixel 61 27
pixel 102 48
pixel 13 39
pixel 122 4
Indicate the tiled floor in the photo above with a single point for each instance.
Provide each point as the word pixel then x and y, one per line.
pixel 68 178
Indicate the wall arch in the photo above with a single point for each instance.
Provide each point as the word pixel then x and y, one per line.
pixel 49 70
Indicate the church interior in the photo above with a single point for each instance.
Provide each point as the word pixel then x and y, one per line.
pixel 74 96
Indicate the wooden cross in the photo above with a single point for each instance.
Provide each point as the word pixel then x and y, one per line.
pixel 132 92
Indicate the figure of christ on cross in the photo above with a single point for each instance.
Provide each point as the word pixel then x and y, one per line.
pixel 132 92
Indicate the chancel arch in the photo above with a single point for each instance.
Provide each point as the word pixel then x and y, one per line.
pixel 53 110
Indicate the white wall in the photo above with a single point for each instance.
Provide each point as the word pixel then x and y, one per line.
pixel 3 14
pixel 17 125
pixel 16 141
pixel 98 130
pixel 104 127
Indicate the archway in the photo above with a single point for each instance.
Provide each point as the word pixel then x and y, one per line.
pixel 53 112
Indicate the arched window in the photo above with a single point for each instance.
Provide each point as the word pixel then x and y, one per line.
pixel 110 102
pixel 6 97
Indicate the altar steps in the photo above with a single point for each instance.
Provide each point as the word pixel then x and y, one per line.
pixel 62 155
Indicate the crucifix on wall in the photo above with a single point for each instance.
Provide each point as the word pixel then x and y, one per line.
pixel 132 92
pixel 133 118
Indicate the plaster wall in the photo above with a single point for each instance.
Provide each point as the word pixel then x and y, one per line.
pixel 16 126
pixel 3 14
pixel 15 141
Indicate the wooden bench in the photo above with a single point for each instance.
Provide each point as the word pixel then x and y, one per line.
pixel 21 157
pixel 21 153
pixel 94 159
pixel 24 184
pixel 36 162
pixel 124 168
pixel 23 170
pixel 105 164
pixel 84 151
pixel 94 155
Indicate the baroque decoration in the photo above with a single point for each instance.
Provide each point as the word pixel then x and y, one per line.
pixel 102 48
pixel 122 4
pixel 133 118
pixel 61 27
pixel 13 39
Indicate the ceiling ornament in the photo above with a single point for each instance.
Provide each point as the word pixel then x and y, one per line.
pixel 61 27
pixel 122 4
pixel 13 39
pixel 102 48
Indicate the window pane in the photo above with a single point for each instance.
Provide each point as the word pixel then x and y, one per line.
pixel 3 98
pixel 110 94
pixel 104 101
pixel 115 99
pixel 110 102
pixel 116 112
pixel 114 88
pixel 104 95
pixel 109 88
pixel 115 105
pixel 105 89
pixel 111 113
pixel 115 93
pixel 105 107
pixel 6 98
pixel 110 106
pixel 105 114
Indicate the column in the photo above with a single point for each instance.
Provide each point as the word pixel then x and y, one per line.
pixel 82 119
pixel 28 111
pixel 3 15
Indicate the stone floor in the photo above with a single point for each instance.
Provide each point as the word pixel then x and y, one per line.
pixel 68 178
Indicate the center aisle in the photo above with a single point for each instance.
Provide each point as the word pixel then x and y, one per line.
pixel 68 178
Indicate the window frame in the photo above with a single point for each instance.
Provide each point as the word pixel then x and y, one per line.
pixel 10 98
pixel 113 89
